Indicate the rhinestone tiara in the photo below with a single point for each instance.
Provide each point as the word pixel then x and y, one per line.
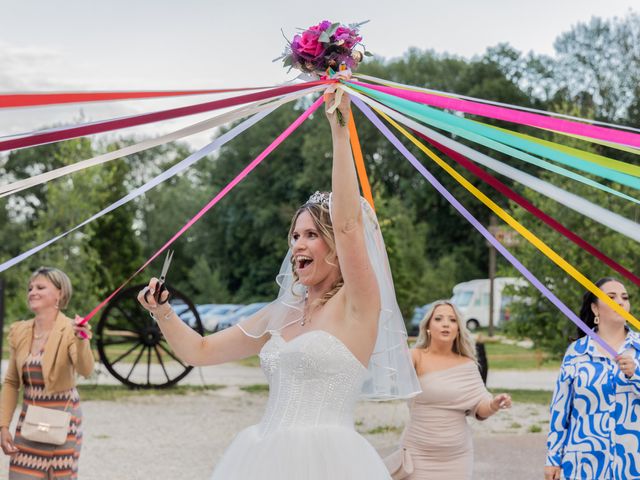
pixel 320 197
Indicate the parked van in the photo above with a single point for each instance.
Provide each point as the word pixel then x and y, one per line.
pixel 472 299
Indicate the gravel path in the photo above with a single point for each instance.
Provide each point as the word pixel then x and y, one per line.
pixel 182 437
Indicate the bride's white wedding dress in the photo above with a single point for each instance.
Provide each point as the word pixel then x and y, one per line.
pixel 307 432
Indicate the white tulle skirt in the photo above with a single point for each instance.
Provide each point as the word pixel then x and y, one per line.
pixel 301 453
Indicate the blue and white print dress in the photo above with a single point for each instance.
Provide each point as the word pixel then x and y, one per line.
pixel 595 415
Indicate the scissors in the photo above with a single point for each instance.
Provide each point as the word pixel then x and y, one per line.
pixel 160 288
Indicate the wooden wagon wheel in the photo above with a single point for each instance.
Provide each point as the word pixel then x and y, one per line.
pixel 131 345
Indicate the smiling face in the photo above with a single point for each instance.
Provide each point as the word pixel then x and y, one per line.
pixel 42 294
pixel 314 260
pixel 617 292
pixel 443 325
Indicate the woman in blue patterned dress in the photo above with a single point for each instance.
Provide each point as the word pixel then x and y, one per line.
pixel 595 410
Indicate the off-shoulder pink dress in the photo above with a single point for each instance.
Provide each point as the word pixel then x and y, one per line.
pixel 437 436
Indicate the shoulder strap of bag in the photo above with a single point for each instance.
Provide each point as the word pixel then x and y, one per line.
pixel 31 386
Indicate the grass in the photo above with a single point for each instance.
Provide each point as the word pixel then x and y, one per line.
pixel 538 397
pixel 120 392
pixel 535 428
pixel 384 429
pixel 256 388
pixel 502 356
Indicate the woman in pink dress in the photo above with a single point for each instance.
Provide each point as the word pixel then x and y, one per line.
pixel 437 441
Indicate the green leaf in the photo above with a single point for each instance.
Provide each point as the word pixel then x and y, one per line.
pixel 368 53
pixel 332 29
pixel 324 38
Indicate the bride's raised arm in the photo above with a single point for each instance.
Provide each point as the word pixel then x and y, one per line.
pixel 361 288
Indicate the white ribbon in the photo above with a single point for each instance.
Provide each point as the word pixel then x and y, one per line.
pixel 177 168
pixel 345 74
pixel 245 111
pixel 601 215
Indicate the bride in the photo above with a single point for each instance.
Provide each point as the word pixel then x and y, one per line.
pixel 334 334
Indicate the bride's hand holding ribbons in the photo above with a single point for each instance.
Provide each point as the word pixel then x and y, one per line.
pixel 337 107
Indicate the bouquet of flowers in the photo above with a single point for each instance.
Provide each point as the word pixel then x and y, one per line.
pixel 325 46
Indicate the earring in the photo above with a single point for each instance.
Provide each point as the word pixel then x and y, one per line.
pixel 596 320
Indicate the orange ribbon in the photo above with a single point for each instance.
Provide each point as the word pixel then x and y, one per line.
pixel 358 158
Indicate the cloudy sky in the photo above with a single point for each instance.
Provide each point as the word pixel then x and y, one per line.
pixel 163 44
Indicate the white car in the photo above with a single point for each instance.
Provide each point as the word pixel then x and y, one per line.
pixel 241 314
pixel 216 313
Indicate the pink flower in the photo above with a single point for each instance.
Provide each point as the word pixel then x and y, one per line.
pixel 308 44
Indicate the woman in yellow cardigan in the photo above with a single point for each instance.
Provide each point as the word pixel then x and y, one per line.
pixel 45 354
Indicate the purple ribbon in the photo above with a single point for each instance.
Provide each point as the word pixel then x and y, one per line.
pixel 478 226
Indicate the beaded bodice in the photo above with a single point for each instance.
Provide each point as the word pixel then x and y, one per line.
pixel 313 380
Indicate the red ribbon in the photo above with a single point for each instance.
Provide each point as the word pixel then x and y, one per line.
pixel 109 125
pixel 13 100
pixel 524 203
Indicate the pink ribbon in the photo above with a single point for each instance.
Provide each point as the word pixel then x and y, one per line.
pixel 514 116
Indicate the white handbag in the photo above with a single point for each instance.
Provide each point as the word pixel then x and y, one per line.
pixel 399 464
pixel 46 425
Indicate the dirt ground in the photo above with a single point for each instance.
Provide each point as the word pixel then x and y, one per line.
pixel 182 437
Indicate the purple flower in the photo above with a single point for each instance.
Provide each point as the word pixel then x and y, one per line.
pixel 321 27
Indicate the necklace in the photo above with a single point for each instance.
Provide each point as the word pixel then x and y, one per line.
pixel 41 335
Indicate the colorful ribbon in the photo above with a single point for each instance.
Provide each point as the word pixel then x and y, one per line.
pixel 506 144
pixel 520 117
pixel 481 228
pixel 174 170
pixel 216 199
pixel 553 223
pixel 589 209
pixel 83 130
pixel 20 185
pixel 521 229
pixel 606 162
pixel 403 86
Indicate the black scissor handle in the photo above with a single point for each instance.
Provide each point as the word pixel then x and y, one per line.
pixel 160 289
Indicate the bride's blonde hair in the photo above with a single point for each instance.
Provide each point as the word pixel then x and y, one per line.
pixel 463 345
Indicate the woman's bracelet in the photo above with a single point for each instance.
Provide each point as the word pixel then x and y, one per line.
pixel 164 317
